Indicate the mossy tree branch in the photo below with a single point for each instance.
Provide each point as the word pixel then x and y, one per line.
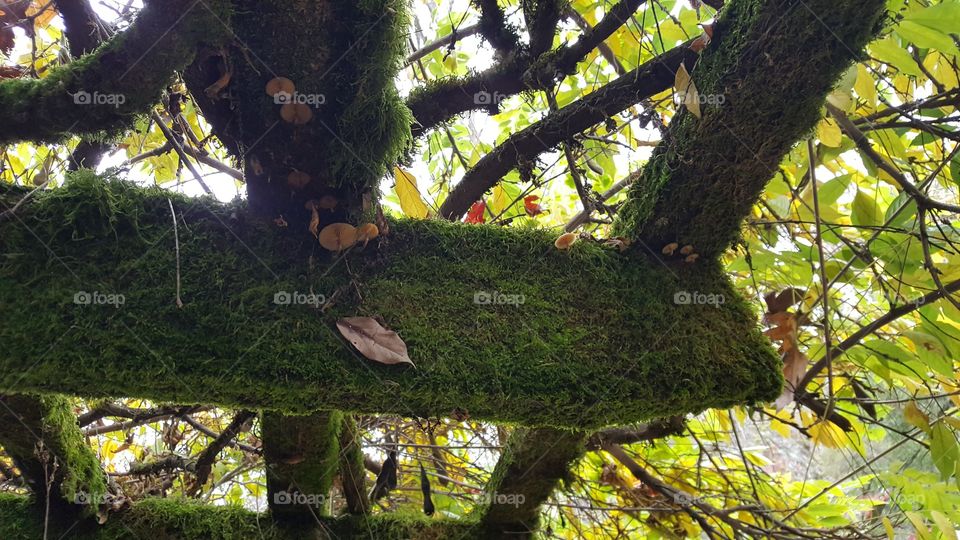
pixel 533 462
pixel 301 454
pixel 773 62
pixel 42 437
pixel 191 520
pixel 106 90
pixel 353 475
pixel 597 339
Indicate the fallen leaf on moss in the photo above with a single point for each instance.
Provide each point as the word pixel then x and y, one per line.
pixel 374 341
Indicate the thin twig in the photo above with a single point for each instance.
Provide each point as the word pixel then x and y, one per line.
pixel 176 241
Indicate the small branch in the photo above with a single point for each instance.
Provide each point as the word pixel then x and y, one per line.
pixel 450 39
pixel 209 454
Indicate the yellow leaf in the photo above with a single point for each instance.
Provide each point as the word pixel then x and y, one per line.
pixel 410 200
pixel 916 417
pixel 499 201
pixel 923 533
pixel 829 133
pixel 687 91
pixel 865 88
pixel 888 526
pixel 947 530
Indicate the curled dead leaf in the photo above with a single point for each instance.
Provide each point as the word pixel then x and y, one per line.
pixel 374 341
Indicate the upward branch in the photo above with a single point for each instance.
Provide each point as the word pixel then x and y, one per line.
pixel 767 71
pixel 107 89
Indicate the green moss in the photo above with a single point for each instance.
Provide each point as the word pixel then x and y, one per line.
pixel 533 462
pixel 598 339
pixel 190 520
pixel 302 458
pixel 48 422
pixel 773 63
pixel 136 65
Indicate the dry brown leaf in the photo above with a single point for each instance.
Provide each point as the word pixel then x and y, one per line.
pixel 794 367
pixel 374 341
pixel 686 91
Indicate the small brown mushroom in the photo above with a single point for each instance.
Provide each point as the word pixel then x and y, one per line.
pixel 327 202
pixel 691 258
pixel 298 180
pixel 338 236
pixel 280 84
pixel 367 232
pixel 686 250
pixel 669 248
pixel 565 241
pixel 296 113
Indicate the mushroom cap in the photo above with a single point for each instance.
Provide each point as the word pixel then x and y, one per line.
pixel 297 180
pixel 367 231
pixel 564 241
pixel 280 84
pixel 327 202
pixel 296 113
pixel 338 236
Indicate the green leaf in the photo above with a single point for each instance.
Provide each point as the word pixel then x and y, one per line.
pixel 865 210
pixel 944 17
pixel 926 37
pixel 888 51
pixel 943 449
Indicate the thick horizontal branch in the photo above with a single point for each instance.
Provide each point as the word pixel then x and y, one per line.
pixel 107 89
pixel 189 520
pixel 762 82
pixel 647 80
pixel 500 324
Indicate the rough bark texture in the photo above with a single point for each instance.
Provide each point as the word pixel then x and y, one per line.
pixel 773 62
pixel 596 338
